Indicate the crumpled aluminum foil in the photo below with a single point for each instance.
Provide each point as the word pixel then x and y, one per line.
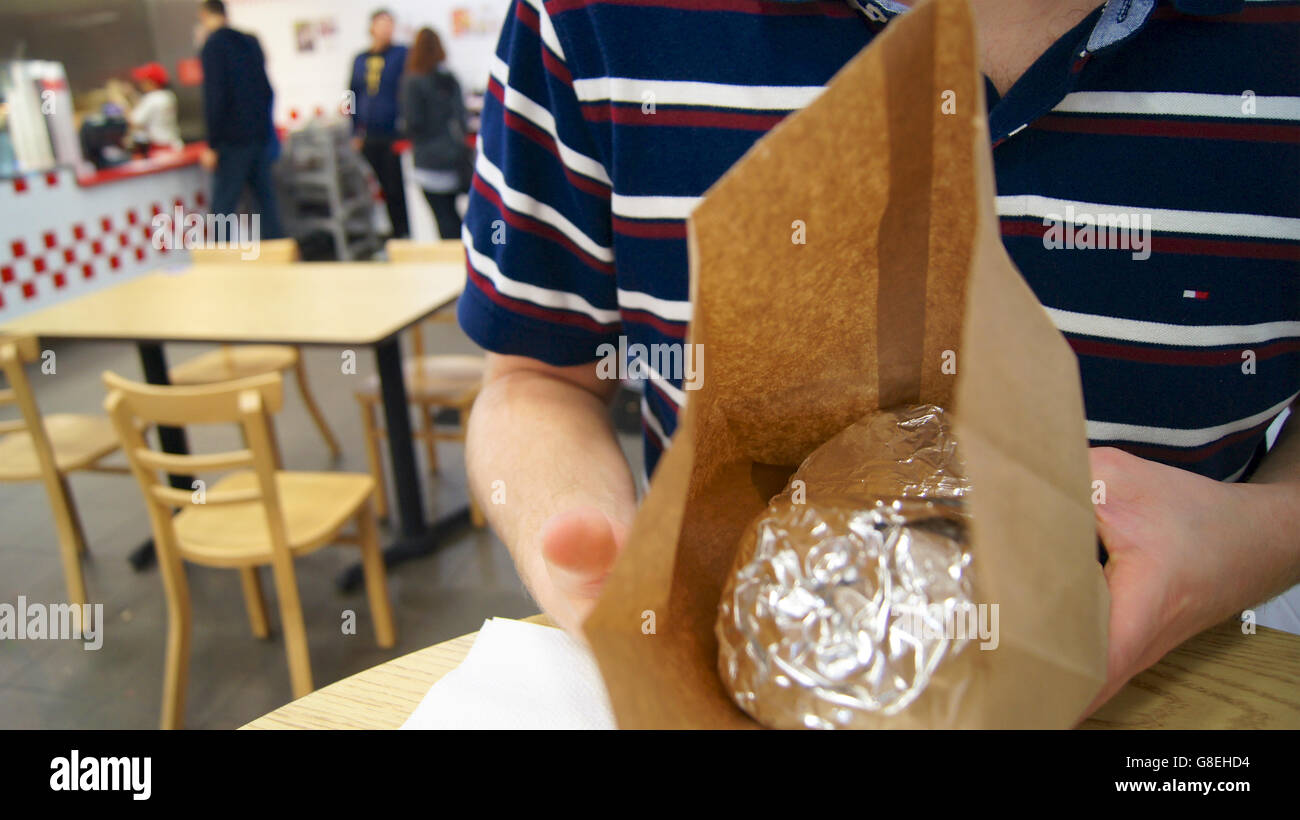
pixel 834 614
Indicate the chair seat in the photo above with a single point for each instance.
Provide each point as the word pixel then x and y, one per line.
pixel 315 505
pixel 78 442
pixel 229 363
pixel 451 379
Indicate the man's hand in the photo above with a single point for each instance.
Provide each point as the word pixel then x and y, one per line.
pixel 1181 557
pixel 542 447
pixel 579 548
pixel 208 159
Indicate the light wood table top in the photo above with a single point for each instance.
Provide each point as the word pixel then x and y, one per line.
pixel 1221 679
pixel 296 303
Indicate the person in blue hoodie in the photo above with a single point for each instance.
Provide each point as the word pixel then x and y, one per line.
pixel 375 85
pixel 237 101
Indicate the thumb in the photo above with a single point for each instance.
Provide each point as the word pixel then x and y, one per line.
pixel 579 547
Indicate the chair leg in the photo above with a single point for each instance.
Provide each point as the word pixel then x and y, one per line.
pixel 300 373
pixel 176 670
pixel 373 444
pixel 428 432
pixel 372 560
pixel 295 630
pixel 71 540
pixel 251 580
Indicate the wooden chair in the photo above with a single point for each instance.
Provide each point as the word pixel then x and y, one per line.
pixel 255 515
pixel 46 449
pixel 434 383
pixel 230 362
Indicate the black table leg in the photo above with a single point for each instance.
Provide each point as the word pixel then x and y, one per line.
pixel 415 538
pixel 154 363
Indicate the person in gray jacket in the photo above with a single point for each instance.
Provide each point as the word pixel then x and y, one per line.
pixel 435 121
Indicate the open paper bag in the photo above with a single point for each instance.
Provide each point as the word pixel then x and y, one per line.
pixel 901 292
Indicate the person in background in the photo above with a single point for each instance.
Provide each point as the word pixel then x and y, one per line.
pixel 153 117
pixel 376 76
pixel 433 116
pixel 237 108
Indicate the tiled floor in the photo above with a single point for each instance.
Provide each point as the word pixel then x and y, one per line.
pixel 233 676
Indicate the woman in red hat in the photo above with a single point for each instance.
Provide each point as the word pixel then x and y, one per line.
pixel 153 118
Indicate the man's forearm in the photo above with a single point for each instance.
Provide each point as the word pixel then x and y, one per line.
pixel 1275 494
pixel 539 446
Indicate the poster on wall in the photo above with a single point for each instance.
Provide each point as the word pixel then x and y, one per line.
pixel 309 35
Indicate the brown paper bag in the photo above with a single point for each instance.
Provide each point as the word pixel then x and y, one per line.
pixel 902 277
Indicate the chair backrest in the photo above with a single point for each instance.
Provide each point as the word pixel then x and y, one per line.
pixel 16 351
pixel 247 402
pixel 270 252
pixel 402 251
pixel 405 251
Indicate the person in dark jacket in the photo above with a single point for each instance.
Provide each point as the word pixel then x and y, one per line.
pixel 376 75
pixel 433 112
pixel 237 101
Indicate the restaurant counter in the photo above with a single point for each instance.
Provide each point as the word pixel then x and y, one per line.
pixel 62 234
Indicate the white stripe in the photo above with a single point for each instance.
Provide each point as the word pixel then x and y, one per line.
pixel 1165 220
pixel 690 92
pixel 1112 431
pixel 548 31
pixel 540 116
pixel 1237 474
pixel 1132 330
pixel 1178 103
pixel 653 207
pixel 546 297
pixel 675 394
pixel 522 203
pixel 651 421
pixel 673 311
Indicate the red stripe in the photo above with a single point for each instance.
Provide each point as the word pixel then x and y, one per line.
pixel 1181 455
pixel 681 117
pixel 828 9
pixel 563 317
pixel 1250 14
pixel 533 226
pixel 675 329
pixel 1242 132
pixel 530 131
pixel 528 16
pixel 553 65
pixel 675 229
pixel 1184 357
pixel 1249 249
pixel 667 398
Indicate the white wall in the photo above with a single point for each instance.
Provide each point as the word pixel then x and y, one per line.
pixel 306 81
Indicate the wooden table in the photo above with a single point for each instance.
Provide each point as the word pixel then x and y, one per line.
pixel 330 303
pixel 1221 679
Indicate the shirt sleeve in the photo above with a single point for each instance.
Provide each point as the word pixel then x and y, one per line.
pixel 538 231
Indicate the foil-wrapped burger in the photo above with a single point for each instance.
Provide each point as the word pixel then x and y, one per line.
pixel 835 612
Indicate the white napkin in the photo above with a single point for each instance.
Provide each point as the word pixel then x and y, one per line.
pixel 518 676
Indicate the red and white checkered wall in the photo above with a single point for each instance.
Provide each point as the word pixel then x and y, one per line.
pixel 58 239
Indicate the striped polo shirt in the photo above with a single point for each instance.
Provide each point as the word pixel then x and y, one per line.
pixel 1148 176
